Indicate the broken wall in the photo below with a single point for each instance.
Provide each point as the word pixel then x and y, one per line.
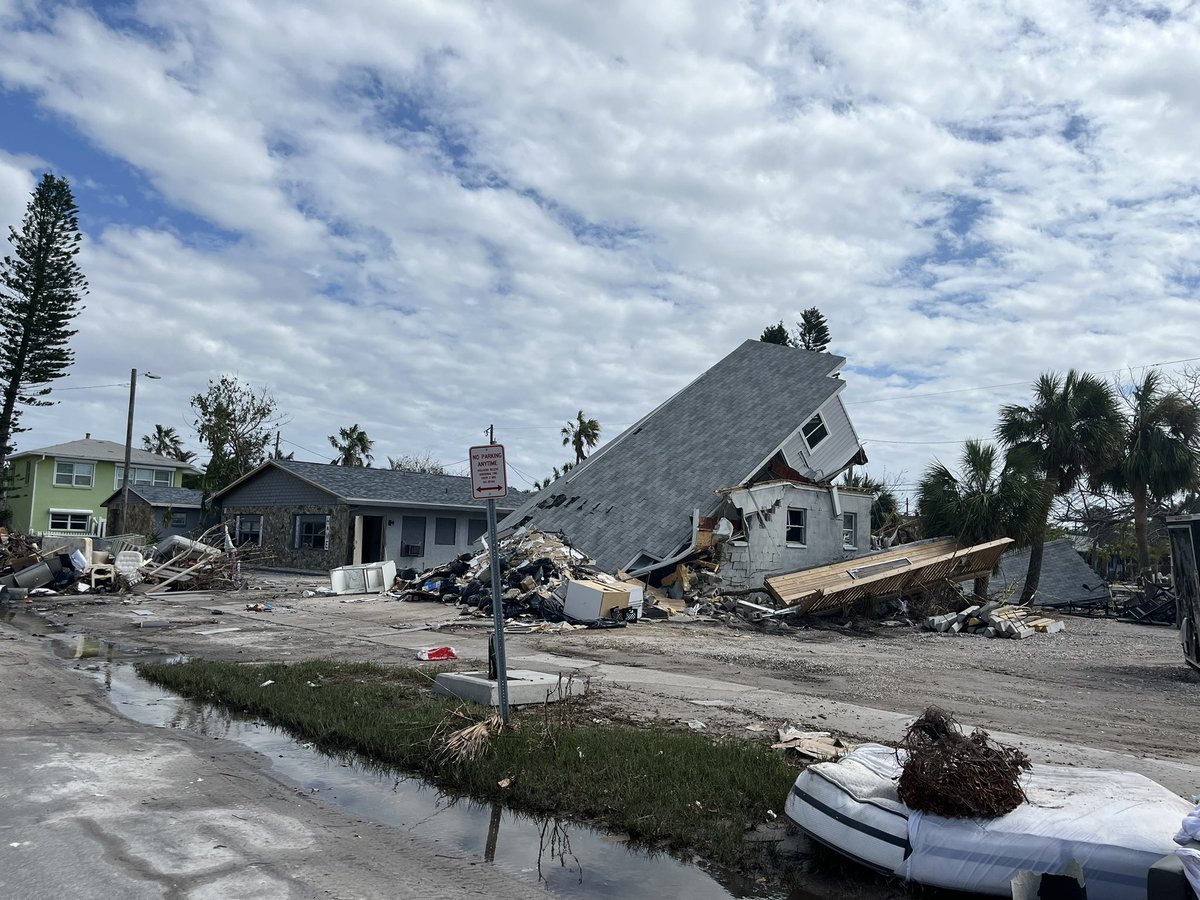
pixel 763 548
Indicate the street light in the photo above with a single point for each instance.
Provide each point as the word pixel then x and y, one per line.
pixel 129 447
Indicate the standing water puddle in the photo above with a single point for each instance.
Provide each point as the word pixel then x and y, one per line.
pixel 561 857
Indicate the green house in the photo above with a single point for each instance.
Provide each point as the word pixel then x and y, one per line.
pixel 61 489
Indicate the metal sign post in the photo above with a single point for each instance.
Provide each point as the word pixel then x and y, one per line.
pixel 489 482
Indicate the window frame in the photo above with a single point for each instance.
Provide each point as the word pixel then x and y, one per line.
pixel 70 514
pixel 438 522
pixel 155 471
pixel 820 425
pixel 317 540
pixel 789 527
pixel 238 521
pixel 851 530
pixel 75 474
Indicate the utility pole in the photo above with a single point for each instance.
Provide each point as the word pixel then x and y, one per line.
pixel 128 454
pixel 277 445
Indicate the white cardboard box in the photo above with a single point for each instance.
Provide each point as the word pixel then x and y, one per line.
pixel 588 600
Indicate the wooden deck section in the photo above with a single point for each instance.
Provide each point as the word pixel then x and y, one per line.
pixel 902 569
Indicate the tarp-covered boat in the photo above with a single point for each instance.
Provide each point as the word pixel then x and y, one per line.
pixel 1114 825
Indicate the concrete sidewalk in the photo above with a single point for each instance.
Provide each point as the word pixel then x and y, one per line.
pixel 93 805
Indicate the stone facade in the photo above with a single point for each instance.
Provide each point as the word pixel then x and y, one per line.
pixel 278 536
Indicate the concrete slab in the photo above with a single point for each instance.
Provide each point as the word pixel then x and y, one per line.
pixel 525 687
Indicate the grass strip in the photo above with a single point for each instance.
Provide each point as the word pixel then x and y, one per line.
pixel 681 790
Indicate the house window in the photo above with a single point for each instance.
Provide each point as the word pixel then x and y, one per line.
pixel 445 531
pixel 249 530
pixel 177 520
pixel 141 475
pixel 797 526
pixel 74 474
pixel 311 533
pixel 69 520
pixel 814 431
pixel 412 536
pixel 849 530
pixel 476 528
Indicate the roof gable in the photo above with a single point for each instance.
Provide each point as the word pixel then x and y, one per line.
pixel 636 494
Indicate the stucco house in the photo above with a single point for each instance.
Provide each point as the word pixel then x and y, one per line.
pixel 756 441
pixel 61 489
pixel 316 516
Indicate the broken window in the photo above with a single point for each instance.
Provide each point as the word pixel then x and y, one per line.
pixel 249 530
pixel 74 474
pixel 476 528
pixel 311 533
pixel 68 520
pixel 849 529
pixel 797 526
pixel 445 530
pixel 814 431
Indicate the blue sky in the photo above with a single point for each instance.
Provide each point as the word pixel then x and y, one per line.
pixel 425 218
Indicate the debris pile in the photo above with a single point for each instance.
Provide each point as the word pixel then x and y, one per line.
pixel 819 746
pixel 950 774
pixel 541 576
pixel 996 619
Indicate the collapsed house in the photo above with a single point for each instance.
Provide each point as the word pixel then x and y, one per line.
pixel 738 465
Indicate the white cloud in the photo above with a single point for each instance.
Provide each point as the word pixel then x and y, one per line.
pixel 448 214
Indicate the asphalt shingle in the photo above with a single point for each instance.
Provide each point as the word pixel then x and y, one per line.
pixel 636 494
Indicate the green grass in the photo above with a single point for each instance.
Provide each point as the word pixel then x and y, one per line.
pixel 672 788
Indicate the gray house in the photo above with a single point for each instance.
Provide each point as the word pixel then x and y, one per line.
pixel 156 509
pixel 756 441
pixel 317 516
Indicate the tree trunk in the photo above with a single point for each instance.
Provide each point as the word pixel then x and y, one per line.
pixel 1140 529
pixel 981 587
pixel 1037 542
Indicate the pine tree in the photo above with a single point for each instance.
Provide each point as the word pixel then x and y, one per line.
pixel 40 289
pixel 812 331
pixel 775 334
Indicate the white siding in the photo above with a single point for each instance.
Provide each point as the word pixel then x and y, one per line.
pixel 830 454
pixel 765 552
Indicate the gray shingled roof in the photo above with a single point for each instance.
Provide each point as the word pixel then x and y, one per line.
pixel 106 451
pixel 1064 574
pixel 385 487
pixel 160 495
pixel 636 493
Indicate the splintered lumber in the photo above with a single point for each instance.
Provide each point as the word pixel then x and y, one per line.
pixel 902 569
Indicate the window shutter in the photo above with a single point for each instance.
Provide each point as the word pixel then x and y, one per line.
pixel 295 532
pixel 327 524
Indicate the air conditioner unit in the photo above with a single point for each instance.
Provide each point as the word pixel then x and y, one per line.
pixel 412 549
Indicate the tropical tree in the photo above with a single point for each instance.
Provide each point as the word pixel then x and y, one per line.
pixel 885 511
pixel 40 289
pixel 353 447
pixel 812 331
pixel 166 442
pixel 424 463
pixel 1072 429
pixel 776 334
pixel 582 434
pixel 982 502
pixel 1158 456
pixel 235 423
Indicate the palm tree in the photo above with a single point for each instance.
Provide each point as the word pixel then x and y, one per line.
pixel 166 442
pixel 885 511
pixel 1072 429
pixel 983 502
pixel 581 433
pixel 353 447
pixel 1157 457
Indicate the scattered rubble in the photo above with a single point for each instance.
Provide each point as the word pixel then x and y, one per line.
pixel 996 619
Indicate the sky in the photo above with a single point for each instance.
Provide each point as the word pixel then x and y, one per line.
pixel 427 216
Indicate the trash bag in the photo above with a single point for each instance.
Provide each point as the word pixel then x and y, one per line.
pixel 549 609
